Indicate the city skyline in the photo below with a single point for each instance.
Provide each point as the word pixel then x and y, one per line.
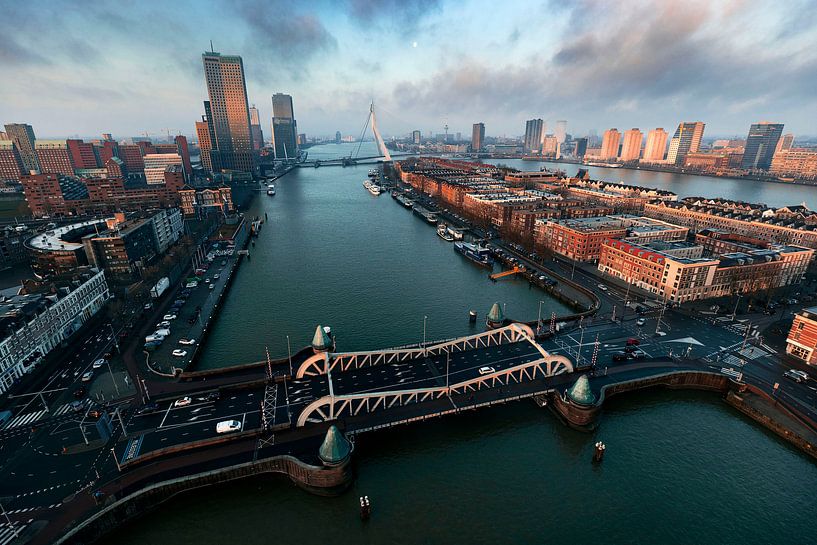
pixel 678 60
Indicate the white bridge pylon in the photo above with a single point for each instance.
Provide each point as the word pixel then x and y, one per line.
pixel 332 407
pixel 325 362
pixel 379 139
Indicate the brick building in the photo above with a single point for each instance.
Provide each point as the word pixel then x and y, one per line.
pixel 802 340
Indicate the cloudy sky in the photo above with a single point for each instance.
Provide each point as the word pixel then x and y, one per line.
pixel 72 67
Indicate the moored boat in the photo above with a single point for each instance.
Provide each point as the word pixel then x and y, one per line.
pixel 479 255
pixel 443 233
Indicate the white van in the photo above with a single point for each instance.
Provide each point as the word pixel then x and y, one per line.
pixel 227 426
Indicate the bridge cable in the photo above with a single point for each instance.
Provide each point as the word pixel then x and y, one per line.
pixel 362 135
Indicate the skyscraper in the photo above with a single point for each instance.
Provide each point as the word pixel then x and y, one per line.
pixel 686 140
pixel 477 136
pixel 533 135
pixel 23 137
pixel 416 137
pixel 561 131
pixel 631 146
pixel 581 147
pixel 609 144
pixel 229 116
pixel 760 145
pixel 656 145
pixel 785 143
pixel 284 127
pixel 255 128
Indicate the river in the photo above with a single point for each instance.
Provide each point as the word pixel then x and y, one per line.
pixel 681 467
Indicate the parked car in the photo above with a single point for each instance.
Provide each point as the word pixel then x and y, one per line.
pixel 169 317
pixel 183 402
pixel 187 342
pixel 179 353
pixel 163 324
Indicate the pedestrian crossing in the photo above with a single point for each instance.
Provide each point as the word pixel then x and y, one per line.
pixel 24 419
pixel 10 532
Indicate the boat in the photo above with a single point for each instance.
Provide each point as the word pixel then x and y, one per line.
pixel 456 234
pixel 372 188
pixel 373 173
pixel 479 255
pixel 443 233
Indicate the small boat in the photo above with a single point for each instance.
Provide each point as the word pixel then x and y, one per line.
pixel 479 255
pixel 456 234
pixel 443 233
pixel 373 173
pixel 372 188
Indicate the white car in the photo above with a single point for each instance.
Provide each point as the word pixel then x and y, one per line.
pixel 187 342
pixel 169 317
pixel 486 370
pixel 183 402
pixel 98 363
pixel 640 321
pixel 179 353
pixel 86 377
pixel 602 287
pixel 227 426
pixel 163 324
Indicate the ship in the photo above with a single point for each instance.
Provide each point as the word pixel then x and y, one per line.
pixel 479 255
pixel 372 188
pixel 428 215
pixel 456 234
pixel 443 233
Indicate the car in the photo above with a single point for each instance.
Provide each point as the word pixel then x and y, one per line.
pixel 169 317
pixel 216 276
pixel 660 333
pixel 87 376
pixel 164 324
pixel 187 342
pixel 486 370
pixel 148 306
pixel 602 287
pixel 633 342
pixel 619 356
pixel 212 396
pixel 98 363
pixel 94 413
pixel 228 426
pixel 183 402
pixel 77 406
pixel 148 408
pixel 796 375
pixel 212 287
pixel 640 321
pixel 637 354
pixel 179 353
pixel 80 392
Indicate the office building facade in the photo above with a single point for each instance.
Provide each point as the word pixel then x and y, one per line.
pixel 686 140
pixel 477 136
pixel 761 144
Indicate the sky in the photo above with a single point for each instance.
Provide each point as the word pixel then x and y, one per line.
pixel 81 68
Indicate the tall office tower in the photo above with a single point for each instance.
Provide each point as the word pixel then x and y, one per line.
pixel 477 136
pixel 533 135
pixel 416 137
pixel 229 117
pixel 205 145
pixel 284 127
pixel 686 140
pixel 609 144
pixel 337 137
pixel 54 157
pixel 760 145
pixel 11 166
pixel 561 131
pixel 631 145
pixel 581 147
pixel 23 137
pixel 656 145
pixel 255 128
pixel 785 143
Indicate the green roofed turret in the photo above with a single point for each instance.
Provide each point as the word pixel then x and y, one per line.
pixel 581 393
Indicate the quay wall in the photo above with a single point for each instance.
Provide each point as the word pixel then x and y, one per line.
pixel 326 481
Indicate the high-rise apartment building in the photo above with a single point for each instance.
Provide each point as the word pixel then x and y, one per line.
pixel 284 127
pixel 631 146
pixel 83 154
pixel 416 137
pixel 54 157
pixel 687 139
pixel 656 146
pixel 255 128
pixel 11 166
pixel 23 137
pixel 229 115
pixel 477 136
pixel 533 135
pixel 760 145
pixel 609 144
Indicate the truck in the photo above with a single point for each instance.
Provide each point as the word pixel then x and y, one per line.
pixel 160 287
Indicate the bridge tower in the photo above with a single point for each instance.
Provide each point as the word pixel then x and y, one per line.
pixel 379 139
pixel 321 341
pixel 335 449
pixel 496 318
pixel 581 393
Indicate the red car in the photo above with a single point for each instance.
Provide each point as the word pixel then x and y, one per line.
pixel 633 342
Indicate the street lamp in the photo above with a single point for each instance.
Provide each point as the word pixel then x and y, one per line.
pixel 425 319
pixel 735 310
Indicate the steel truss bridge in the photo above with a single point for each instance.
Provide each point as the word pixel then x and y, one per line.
pixel 522 366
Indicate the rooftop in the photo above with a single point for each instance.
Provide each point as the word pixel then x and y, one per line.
pixel 67 237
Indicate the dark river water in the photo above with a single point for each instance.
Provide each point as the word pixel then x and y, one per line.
pixel 681 468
